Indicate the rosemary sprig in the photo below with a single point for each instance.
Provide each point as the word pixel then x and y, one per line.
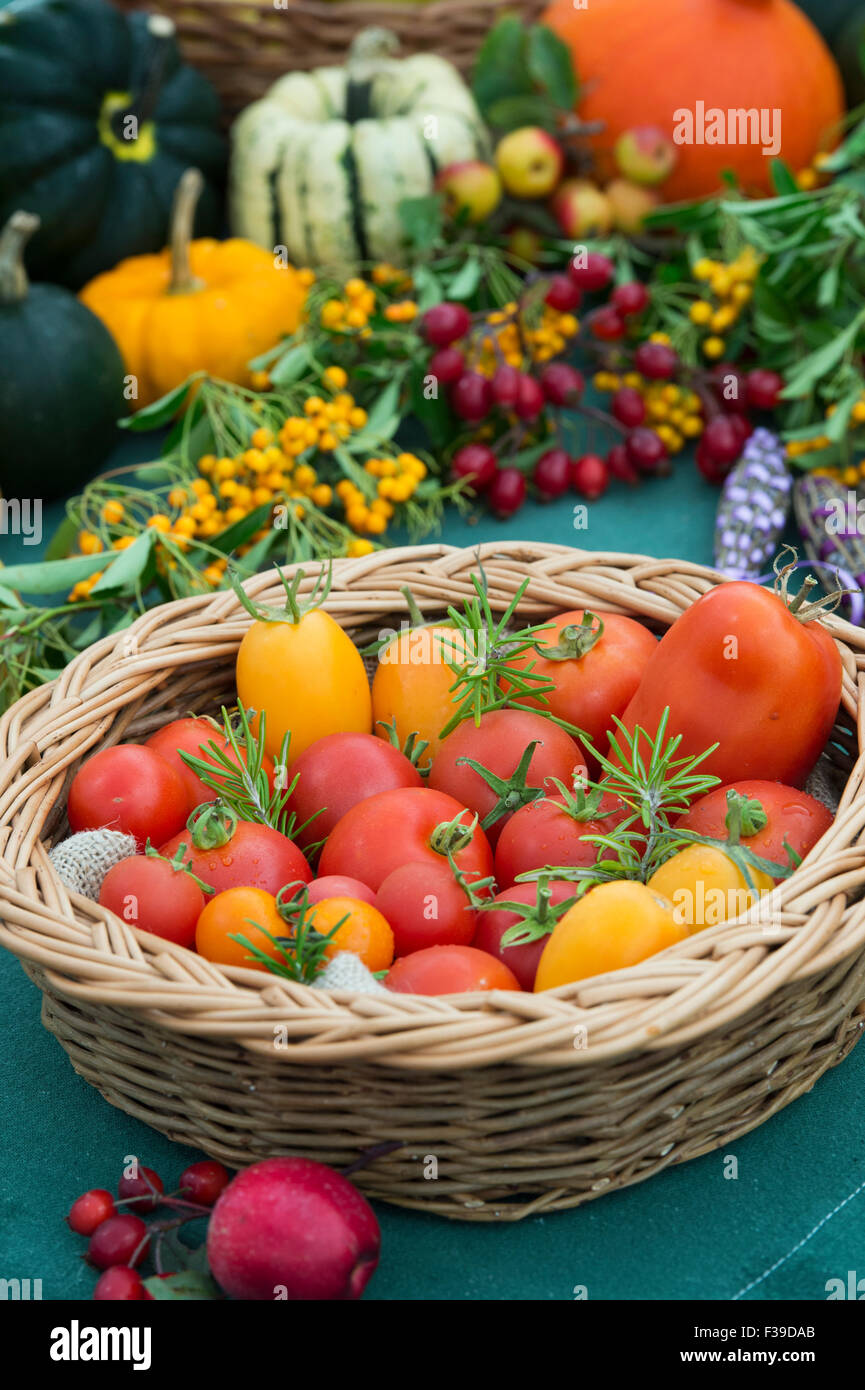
pixel 302 951
pixel 238 777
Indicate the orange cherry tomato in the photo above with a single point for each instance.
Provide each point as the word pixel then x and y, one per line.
pixel 239 912
pixel 615 925
pixel 365 932
pixel 412 683
pixel 449 970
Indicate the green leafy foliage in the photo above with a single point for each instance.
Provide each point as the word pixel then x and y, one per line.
pixel 523 75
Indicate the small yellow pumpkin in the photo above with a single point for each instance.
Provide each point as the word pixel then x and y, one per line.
pixel 198 305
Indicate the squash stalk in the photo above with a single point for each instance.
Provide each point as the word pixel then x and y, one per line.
pixel 13 238
pixel 182 218
pixel 144 101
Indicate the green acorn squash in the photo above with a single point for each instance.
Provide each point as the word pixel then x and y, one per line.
pixel 61 380
pixel 320 164
pixel 98 120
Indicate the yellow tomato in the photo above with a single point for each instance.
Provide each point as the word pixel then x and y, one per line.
pixel 307 677
pixel 412 682
pixel 706 887
pixel 615 925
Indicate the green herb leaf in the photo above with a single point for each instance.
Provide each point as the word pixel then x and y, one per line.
pixel 161 412
pixel 551 67
pixel 186 1286
pixel 129 566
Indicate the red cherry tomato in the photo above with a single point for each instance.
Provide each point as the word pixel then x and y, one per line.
pixel 378 835
pixel 338 771
pixel 448 970
pixel 426 907
pixel 256 856
pixel 740 669
pixel 151 894
pixel 499 742
pixel 546 833
pixel 129 788
pixel 338 886
pixel 192 735
pixel 494 921
pixel 792 815
pixel 592 687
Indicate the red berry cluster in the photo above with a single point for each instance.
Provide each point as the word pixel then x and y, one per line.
pixel 119 1240
pixel 727 429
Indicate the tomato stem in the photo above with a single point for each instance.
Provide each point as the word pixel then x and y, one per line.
pixel 575 640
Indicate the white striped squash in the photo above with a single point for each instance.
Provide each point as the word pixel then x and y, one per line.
pixel 320 164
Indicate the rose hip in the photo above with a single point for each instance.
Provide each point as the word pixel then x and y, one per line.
pixel 89 1211
pixel 656 361
pixel 447 365
pixel 202 1182
pixel 471 397
pixel 505 386
pixel 119 1282
pixel 142 1187
pixel 507 493
pixel 646 450
pixel 561 384
pixel 563 294
pixel 590 476
pixel 121 1240
pixel 552 475
pixel 592 272
pixel 630 298
pixel 476 462
pixel 628 407
pixel 444 323
pixel 530 398
pixel 607 325
pixel 620 466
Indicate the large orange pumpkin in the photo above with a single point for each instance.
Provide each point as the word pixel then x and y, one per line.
pixel 642 61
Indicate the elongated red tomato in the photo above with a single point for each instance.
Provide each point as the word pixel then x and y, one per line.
pixel 498 742
pixel 791 815
pixel 741 669
pixel 378 835
pixel 609 655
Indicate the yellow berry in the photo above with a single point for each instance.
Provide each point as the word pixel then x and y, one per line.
pixel 123 542
pixel 359 547
pixel 332 313
pixel 700 311
pixel 354 287
pixel 335 376
pixel 159 522
pixel 113 511
pixel 714 347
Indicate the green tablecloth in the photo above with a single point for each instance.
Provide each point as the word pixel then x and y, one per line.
pixel 689 1233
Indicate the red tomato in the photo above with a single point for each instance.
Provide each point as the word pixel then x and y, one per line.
pixel 192 735
pixel 448 970
pixel 545 832
pixel 426 907
pixel 493 922
pixel 792 815
pixel 151 894
pixel 738 668
pixel 499 742
pixel 338 886
pixel 129 788
pixel 378 835
pixel 338 771
pixel 256 856
pixel 593 686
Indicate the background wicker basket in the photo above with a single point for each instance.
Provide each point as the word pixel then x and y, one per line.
pixel 245 45
pixel 526 1103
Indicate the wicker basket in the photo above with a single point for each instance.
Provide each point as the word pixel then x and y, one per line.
pixel 527 1102
pixel 243 46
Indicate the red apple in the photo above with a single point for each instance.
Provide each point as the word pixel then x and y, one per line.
pixel 630 203
pixel 292 1228
pixel 581 209
pixel 645 155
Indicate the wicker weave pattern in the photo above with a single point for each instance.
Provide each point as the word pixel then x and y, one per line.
pixel 243 46
pixel 552 1098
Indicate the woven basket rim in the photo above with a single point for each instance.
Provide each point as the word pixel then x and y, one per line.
pixel 701 984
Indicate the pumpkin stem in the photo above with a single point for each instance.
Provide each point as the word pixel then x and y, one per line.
pixel 182 218
pixel 370 49
pixel 13 238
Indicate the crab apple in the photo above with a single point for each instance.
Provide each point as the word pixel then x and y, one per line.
pixel 89 1211
pixel 630 204
pixel 525 244
pixel 763 388
pixel 119 1283
pixel 203 1182
pixel 628 406
pixel 529 162
pixel 590 476
pixel 477 462
pixel 445 322
pixel 561 384
pixel 471 397
pixel 581 209
pixel 530 397
pixel 657 361
pixel 147 1187
pixel 447 365
pixel 552 474
pixel 709 466
pixel 722 439
pixel 620 466
pixel 470 187
pixel 591 271
pixel 646 450
pixel 607 325
pixel 121 1240
pixel 507 492
pixel 506 386
pixel 645 155
pixel 563 295
pixel 292 1228
pixel 730 386
pixel 630 298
